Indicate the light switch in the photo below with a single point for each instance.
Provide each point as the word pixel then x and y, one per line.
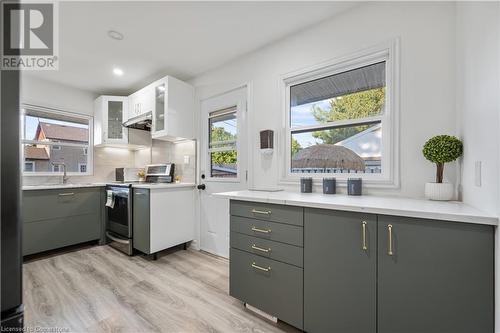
pixel 477 174
pixel 186 159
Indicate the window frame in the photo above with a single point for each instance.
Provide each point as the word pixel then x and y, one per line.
pixel 234 147
pixel 389 177
pixel 90 145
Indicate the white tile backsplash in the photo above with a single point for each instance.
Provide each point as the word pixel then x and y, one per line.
pixel 106 159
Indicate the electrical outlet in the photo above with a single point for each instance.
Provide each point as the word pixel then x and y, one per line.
pixel 477 174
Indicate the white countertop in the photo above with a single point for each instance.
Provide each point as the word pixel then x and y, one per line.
pixel 420 208
pixel 76 185
pixel 60 186
pixel 153 186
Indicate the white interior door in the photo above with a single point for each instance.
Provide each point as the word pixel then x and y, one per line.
pixel 223 164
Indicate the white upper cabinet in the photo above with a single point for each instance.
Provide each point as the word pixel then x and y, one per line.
pixel 141 102
pixel 173 110
pixel 109 115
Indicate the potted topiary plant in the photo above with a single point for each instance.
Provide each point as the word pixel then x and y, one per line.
pixel 441 149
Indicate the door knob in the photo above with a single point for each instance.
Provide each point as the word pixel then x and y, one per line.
pixel 201 187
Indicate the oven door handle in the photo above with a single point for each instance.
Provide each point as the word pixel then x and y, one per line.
pixel 118 240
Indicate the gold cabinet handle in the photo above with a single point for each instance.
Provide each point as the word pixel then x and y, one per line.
pixel 66 194
pixel 264 212
pixel 261 230
pixel 363 229
pixel 389 230
pixel 261 268
pixel 255 247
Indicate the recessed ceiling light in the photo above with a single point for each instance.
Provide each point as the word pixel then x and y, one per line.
pixel 115 35
pixel 117 71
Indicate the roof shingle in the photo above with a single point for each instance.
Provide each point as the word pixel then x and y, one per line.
pixel 64 133
pixel 35 153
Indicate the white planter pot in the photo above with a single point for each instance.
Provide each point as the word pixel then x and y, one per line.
pixel 439 191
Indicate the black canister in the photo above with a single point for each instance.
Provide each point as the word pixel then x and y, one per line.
pixel 329 186
pixel 306 184
pixel 354 186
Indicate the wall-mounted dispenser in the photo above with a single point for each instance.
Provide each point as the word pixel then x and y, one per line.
pixel 267 142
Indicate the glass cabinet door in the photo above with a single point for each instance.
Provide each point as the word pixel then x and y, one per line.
pixel 160 107
pixel 115 120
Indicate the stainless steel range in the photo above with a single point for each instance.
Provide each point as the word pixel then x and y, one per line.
pixel 119 205
pixel 119 217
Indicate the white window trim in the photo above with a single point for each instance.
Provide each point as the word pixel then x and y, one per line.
pixel 241 110
pixel 30 162
pixel 90 145
pixel 234 147
pixel 388 52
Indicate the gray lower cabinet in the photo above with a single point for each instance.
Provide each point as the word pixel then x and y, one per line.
pixel 266 259
pixel 362 273
pixel 435 276
pixel 272 286
pixel 141 218
pixel 340 272
pixel 61 217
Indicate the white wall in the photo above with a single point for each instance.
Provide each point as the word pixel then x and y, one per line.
pixel 478 106
pixel 427 32
pixel 477 100
pixel 50 94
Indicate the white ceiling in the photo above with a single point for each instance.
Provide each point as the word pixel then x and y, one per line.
pixel 183 39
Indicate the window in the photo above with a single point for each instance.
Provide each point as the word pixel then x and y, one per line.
pixel 222 148
pixel 52 136
pixel 339 120
pixel 29 166
pixel 56 147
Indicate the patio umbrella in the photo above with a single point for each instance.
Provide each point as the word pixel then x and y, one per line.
pixel 328 156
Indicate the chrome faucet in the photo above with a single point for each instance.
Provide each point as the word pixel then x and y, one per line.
pixel 65 176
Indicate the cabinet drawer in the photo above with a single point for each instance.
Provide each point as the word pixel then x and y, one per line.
pixel 50 204
pixel 47 235
pixel 289 254
pixel 271 286
pixel 279 232
pixel 268 212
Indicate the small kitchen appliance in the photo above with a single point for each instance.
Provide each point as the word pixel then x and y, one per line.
pixel 127 174
pixel 160 173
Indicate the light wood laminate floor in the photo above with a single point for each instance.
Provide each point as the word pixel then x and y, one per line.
pixel 98 289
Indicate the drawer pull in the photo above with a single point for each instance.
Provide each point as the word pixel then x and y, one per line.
pixel 261 268
pixel 261 230
pixel 254 247
pixel 389 230
pixel 66 194
pixel 363 227
pixel 264 212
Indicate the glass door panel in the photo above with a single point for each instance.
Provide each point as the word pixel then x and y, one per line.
pixel 160 107
pixel 115 119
